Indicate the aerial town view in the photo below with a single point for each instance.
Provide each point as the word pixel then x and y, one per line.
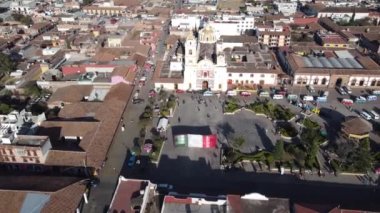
pixel 189 106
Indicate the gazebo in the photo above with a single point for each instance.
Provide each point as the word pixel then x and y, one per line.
pixel 356 127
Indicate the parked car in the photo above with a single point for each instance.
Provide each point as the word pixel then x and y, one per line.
pixel 137 100
pixel 245 93
pixel 132 160
pixel 179 91
pixel 365 115
pixel 374 115
pixel 208 93
pixel 341 91
pixel 347 89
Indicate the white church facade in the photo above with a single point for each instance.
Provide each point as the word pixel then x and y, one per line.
pixel 217 64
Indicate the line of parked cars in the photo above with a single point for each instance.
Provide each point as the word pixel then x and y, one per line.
pixel 369 115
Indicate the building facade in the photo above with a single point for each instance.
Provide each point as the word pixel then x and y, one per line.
pixel 218 64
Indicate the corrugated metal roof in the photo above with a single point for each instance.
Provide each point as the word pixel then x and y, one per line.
pixel 343 54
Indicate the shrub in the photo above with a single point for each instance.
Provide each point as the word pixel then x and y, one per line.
pixel 231 106
pixel 288 130
pixel 308 123
pixel 5 108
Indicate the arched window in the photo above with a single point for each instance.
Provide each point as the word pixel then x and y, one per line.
pixel 316 81
pixel 353 82
pixel 373 82
pixel 324 81
pixel 361 82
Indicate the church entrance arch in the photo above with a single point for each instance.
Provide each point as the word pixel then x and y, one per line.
pixel 205 85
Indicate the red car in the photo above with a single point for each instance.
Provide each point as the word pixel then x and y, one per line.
pixel 152 93
pixel 245 93
pixel 179 91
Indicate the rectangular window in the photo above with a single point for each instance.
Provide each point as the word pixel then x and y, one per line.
pixel 251 75
pixel 237 81
pixel 240 75
pixel 262 75
pixel 13 159
pixel 25 160
pixel 229 75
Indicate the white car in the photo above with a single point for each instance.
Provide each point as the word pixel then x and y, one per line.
pixel 365 115
pixel 341 91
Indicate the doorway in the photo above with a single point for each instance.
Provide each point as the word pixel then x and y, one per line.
pixel 338 82
pixel 205 85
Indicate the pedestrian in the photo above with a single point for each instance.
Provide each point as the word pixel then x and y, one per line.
pixel 123 127
pixel 179 120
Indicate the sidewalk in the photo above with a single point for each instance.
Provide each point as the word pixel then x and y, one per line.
pixel 341 178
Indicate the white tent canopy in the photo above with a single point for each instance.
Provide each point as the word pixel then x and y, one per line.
pixel 162 124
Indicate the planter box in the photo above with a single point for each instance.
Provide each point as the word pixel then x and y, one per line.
pixel 286 137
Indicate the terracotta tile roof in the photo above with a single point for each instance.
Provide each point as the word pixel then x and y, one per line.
pixel 66 199
pixel 65 158
pixel 142 50
pixel 79 110
pixel 73 93
pixel 58 129
pixel 140 59
pixel 11 201
pixel 110 54
pixel 97 136
pixel 126 190
pixel 356 126
pixel 172 39
pixel 109 115
pixel 65 196
pixel 157 75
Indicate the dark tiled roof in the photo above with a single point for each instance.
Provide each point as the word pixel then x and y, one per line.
pixel 126 191
pixel 356 126
pixel 74 93
pixel 65 193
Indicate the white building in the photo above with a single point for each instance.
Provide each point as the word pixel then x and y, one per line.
pixel 218 64
pixel 232 24
pixel 186 21
pixel 23 6
pixel 286 8
pixel 344 13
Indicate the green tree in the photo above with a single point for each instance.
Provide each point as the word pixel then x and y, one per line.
pixel 87 2
pixel 38 108
pixel 27 20
pixel 6 64
pixel 279 151
pixel 5 108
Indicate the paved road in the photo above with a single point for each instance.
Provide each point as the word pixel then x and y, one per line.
pixel 196 176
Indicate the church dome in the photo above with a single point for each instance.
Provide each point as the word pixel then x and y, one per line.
pixel 207 35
